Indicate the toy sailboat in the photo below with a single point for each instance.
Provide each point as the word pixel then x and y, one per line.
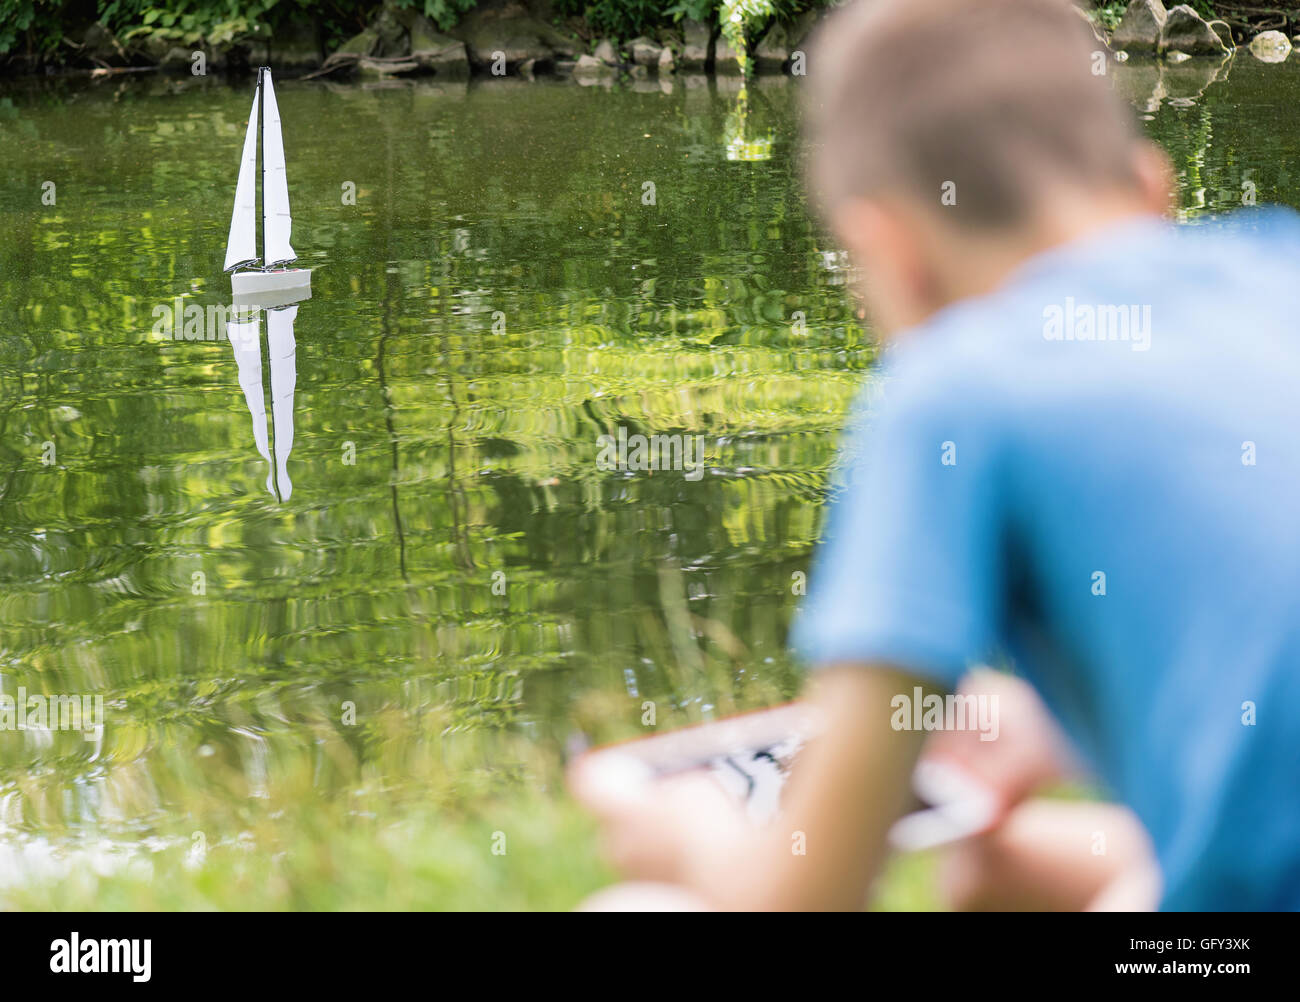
pixel 264 280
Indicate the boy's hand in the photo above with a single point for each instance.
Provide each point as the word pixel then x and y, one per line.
pixel 845 790
pixel 675 830
pixel 1029 751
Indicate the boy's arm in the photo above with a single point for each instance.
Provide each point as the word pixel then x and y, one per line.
pixel 847 788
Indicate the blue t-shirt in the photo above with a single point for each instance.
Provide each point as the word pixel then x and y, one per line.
pixel 1095 472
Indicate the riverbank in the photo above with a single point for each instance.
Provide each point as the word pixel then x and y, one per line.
pixel 458 39
pixel 398 37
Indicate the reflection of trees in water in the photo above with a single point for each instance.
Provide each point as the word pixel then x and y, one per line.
pixel 372 583
pixel 386 320
pixel 1223 123
pixel 744 142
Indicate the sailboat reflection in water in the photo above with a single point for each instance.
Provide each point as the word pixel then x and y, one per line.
pixel 263 285
pixel 244 330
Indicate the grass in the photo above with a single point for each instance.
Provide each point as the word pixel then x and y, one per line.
pixel 529 854
pixel 479 822
pixel 423 804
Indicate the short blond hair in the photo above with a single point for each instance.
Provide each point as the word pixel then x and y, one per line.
pixel 989 100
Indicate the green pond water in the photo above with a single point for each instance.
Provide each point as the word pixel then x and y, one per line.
pixel 453 588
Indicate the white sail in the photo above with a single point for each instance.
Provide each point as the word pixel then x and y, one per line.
pixel 243 331
pixel 275 183
pixel 241 246
pixel 283 353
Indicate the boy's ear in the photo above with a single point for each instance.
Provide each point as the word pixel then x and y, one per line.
pixel 1155 174
pixel 892 268
pixel 862 226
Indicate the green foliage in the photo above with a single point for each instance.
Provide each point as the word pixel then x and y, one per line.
pixel 443 13
pixel 741 21
pixel 620 18
pixel 1108 15
pixel 695 10
pixel 38 21
pixel 188 21
pixel 44 24
pixel 40 26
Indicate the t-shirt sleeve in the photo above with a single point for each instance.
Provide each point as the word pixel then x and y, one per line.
pixel 909 572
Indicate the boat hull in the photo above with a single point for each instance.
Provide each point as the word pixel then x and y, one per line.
pixel 269 289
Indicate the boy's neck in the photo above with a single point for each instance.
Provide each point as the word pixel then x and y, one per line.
pixel 990 262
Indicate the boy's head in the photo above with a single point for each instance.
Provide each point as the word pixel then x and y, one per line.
pixel 954 138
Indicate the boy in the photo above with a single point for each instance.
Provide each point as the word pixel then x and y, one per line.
pixel 1082 455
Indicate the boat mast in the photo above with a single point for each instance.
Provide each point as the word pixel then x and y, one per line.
pixel 261 152
pixel 277 220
